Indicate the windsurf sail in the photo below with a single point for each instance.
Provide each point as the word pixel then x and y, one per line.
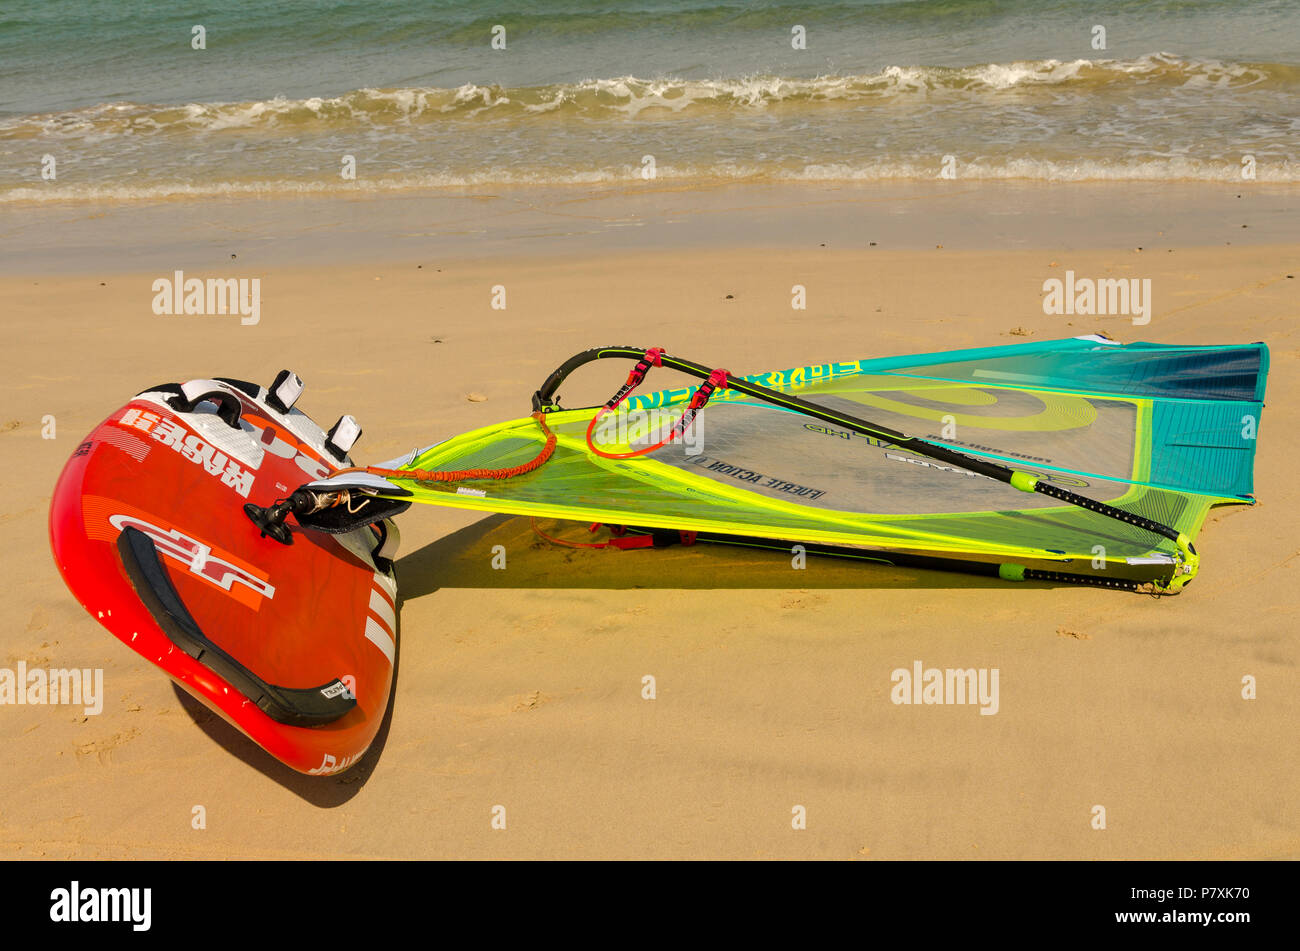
pixel 1075 460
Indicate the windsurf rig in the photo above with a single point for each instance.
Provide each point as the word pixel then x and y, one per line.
pixel 1075 461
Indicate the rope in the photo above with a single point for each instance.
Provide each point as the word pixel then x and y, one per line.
pixel 460 475
pixel 717 381
pixel 621 541
pixel 560 542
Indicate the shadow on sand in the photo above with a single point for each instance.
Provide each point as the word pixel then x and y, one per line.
pixel 464 559
pixel 323 791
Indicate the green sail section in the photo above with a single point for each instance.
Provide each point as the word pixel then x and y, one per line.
pixel 1164 432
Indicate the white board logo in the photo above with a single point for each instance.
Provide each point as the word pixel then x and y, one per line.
pixel 195 556
pixel 331 764
pixel 172 434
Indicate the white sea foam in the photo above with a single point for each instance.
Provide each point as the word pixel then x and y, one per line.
pixel 630 96
pixel 1158 117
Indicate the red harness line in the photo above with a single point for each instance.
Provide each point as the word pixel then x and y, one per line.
pixel 717 381
pixel 653 358
pixel 621 539
pixel 460 475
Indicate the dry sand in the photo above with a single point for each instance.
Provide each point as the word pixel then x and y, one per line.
pixel 523 687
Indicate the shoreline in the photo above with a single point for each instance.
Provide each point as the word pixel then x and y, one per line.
pixel 194 234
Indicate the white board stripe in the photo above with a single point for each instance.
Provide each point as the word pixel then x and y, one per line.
pixel 381 639
pixel 379 604
pixel 387 584
pixel 137 449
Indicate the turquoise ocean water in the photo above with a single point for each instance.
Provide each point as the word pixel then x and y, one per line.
pixel 584 91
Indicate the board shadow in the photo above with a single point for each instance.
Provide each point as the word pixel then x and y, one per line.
pixel 325 792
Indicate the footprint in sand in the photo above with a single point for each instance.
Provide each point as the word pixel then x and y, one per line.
pixel 529 701
pixel 33 659
pixel 102 749
pixel 625 617
pixel 800 599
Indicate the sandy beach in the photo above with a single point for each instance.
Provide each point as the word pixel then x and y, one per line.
pixel 523 687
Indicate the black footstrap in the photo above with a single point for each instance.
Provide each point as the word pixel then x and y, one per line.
pixel 293 706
